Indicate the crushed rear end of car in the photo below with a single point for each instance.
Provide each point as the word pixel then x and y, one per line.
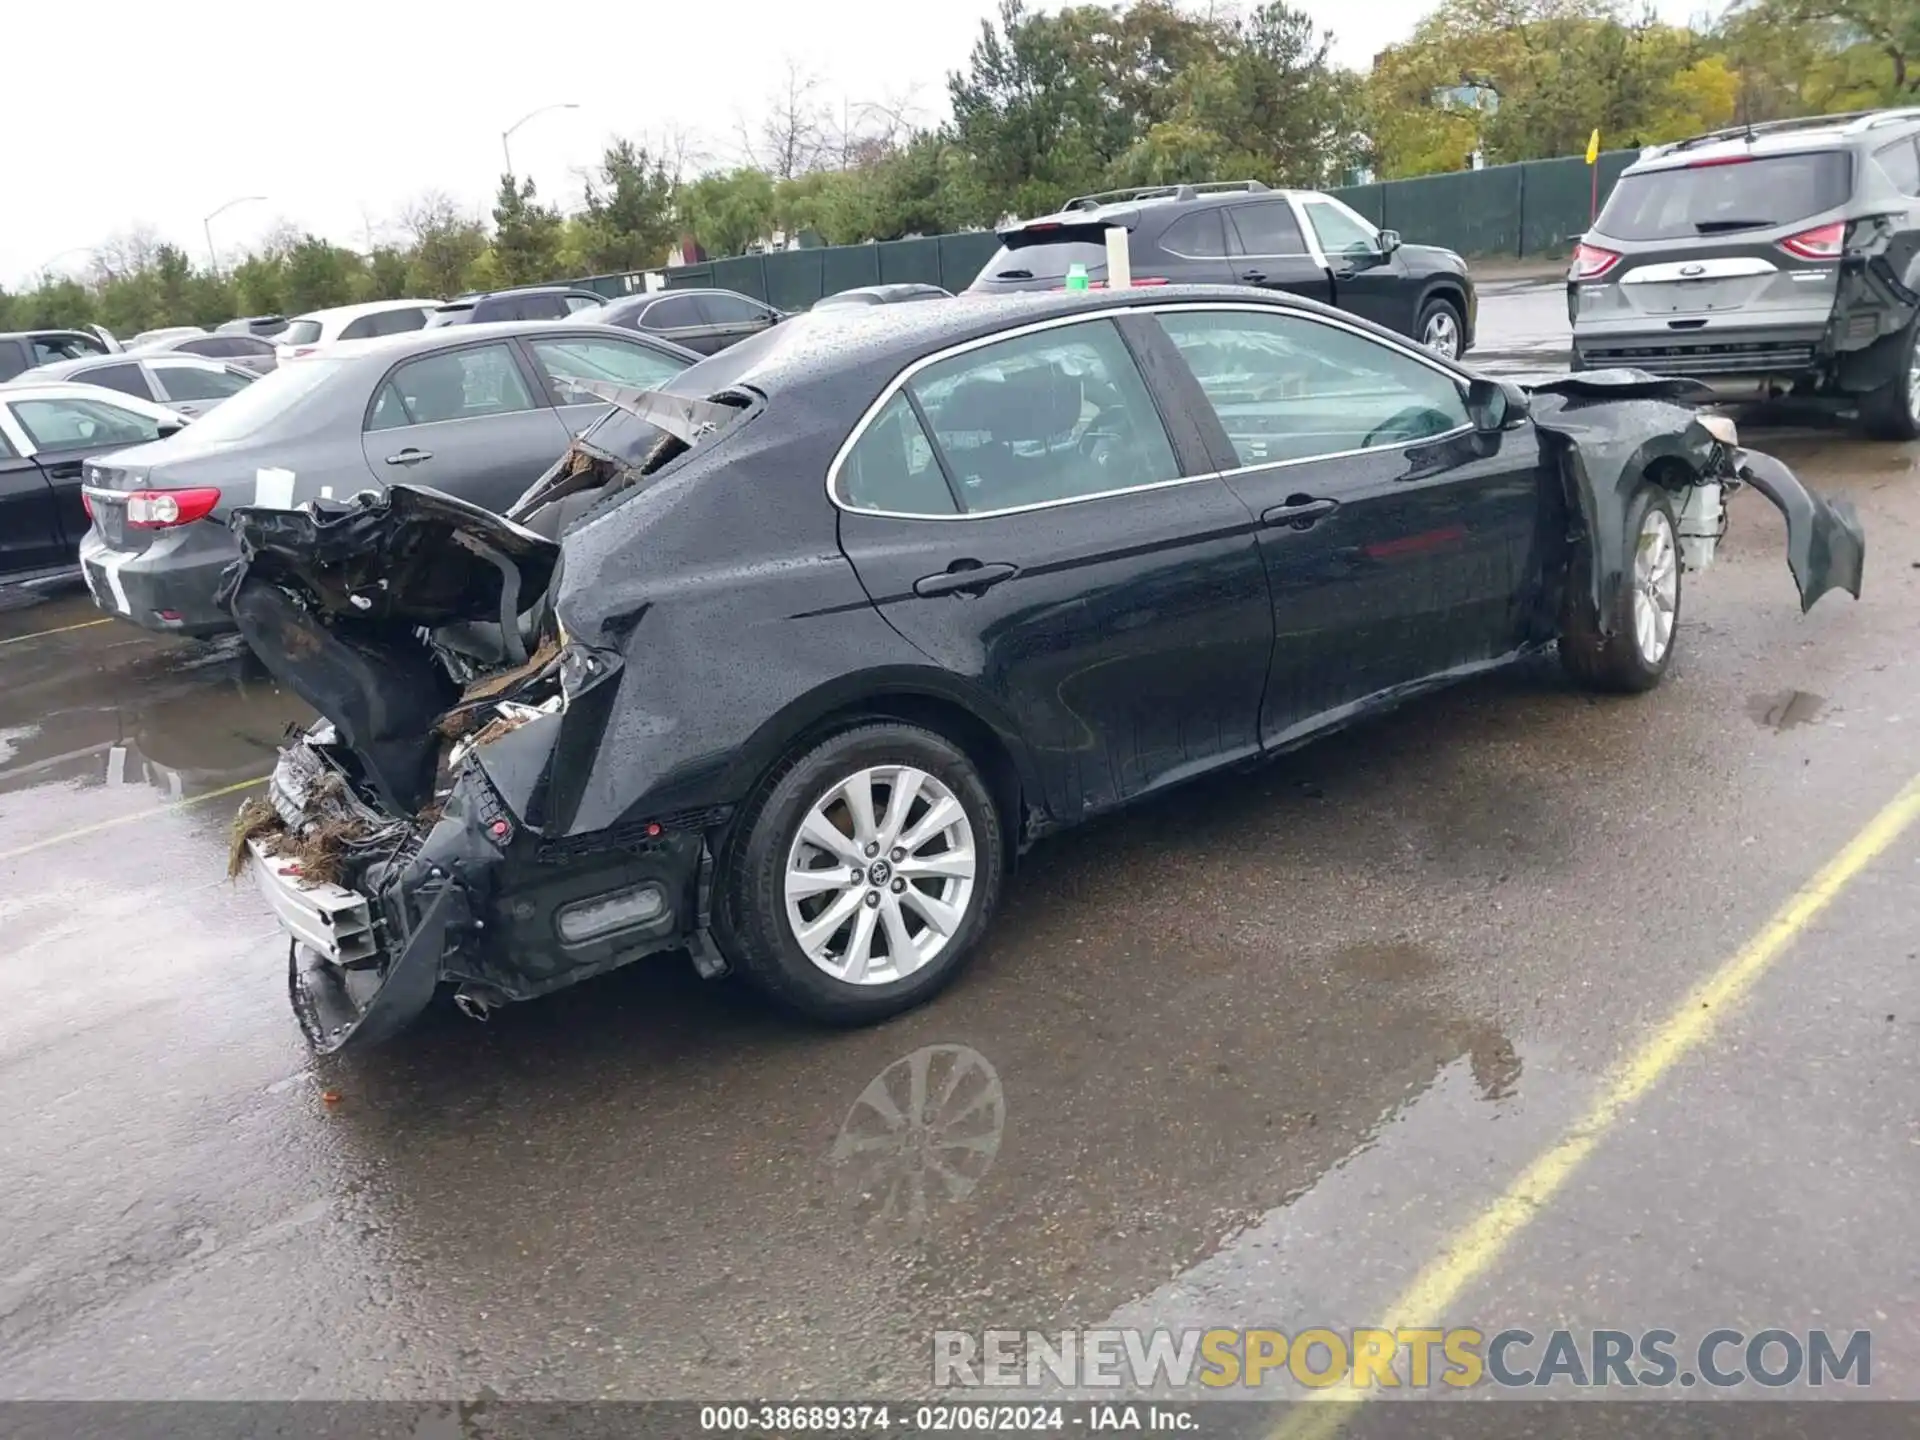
pixel 404 841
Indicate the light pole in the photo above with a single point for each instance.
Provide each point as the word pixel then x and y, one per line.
pixel 506 150
pixel 206 224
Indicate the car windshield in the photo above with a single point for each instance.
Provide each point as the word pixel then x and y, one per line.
pixel 265 400
pixel 1048 252
pixel 1721 197
pixel 300 332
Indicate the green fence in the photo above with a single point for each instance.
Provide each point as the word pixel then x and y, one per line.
pixel 1537 208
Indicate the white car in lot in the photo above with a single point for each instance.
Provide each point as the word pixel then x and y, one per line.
pixel 185 383
pixel 318 329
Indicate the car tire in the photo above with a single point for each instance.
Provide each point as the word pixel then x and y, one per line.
pixel 764 921
pixel 1442 328
pixel 1625 662
pixel 1893 411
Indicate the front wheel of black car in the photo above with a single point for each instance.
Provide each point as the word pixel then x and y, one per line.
pixel 1441 328
pixel 1893 411
pixel 867 871
pixel 1646 609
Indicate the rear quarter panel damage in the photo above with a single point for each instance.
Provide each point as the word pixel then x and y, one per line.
pixel 722 591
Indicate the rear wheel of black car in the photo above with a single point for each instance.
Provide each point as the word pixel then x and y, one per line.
pixel 1646 610
pixel 1893 411
pixel 867 871
pixel 1441 328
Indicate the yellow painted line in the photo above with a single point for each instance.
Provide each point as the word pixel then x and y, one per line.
pixel 57 630
pixel 1478 1245
pixel 85 830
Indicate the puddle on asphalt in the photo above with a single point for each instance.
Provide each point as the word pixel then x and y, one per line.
pixel 1785 709
pixel 1392 960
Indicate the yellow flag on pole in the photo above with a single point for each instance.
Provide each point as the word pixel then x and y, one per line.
pixel 1593 148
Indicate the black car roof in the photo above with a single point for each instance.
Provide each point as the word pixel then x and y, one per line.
pixel 837 340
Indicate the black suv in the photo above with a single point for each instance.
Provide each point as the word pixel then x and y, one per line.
pixel 1769 259
pixel 530 302
pixel 1243 233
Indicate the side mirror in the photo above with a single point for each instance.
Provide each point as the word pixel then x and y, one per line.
pixel 1390 241
pixel 1495 405
pixel 168 428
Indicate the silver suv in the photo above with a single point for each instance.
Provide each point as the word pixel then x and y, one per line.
pixel 1767 260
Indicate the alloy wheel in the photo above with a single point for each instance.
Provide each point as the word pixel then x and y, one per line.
pixel 880 877
pixel 1442 335
pixel 1656 586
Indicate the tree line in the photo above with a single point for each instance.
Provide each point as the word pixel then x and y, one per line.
pixel 1053 104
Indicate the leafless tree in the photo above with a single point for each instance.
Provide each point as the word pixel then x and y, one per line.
pixel 793 137
pixel 126 252
pixel 431 212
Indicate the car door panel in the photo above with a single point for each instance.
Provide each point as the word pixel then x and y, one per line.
pixel 31 539
pixel 1126 629
pixel 497 437
pixel 1269 251
pixel 1366 282
pixel 1399 542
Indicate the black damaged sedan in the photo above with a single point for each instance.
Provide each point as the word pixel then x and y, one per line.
pixel 846 617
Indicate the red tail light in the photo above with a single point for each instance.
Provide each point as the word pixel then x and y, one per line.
pixel 1717 160
pixel 1826 242
pixel 163 509
pixel 86 504
pixel 1590 262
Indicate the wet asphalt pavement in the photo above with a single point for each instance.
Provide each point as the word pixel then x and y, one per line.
pixel 1254 1054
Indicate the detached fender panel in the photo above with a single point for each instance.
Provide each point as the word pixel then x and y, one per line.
pixel 1826 548
pixel 1603 433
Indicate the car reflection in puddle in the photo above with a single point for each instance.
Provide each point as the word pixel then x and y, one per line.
pixel 184 741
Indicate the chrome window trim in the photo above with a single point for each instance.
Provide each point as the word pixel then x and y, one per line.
pixel 895 385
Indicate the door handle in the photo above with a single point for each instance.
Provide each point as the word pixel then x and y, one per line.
pixel 964 577
pixel 1256 276
pixel 1300 511
pixel 409 456
pixel 66 470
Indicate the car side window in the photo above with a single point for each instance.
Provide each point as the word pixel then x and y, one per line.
pixel 458 385
pixel 1901 161
pixel 1056 415
pixel 1290 388
pixel 613 362
pixel 1339 232
pixel 576 303
pixel 127 379
pixel 891 468
pixel 389 410
pixel 69 424
pixel 1198 237
pixel 1266 228
pixel 731 310
pixel 13 359
pixel 671 314
pixel 191 382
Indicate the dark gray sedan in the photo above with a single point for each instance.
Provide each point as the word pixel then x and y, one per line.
pixel 479 411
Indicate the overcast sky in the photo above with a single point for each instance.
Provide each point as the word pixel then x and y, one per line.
pixel 342 114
